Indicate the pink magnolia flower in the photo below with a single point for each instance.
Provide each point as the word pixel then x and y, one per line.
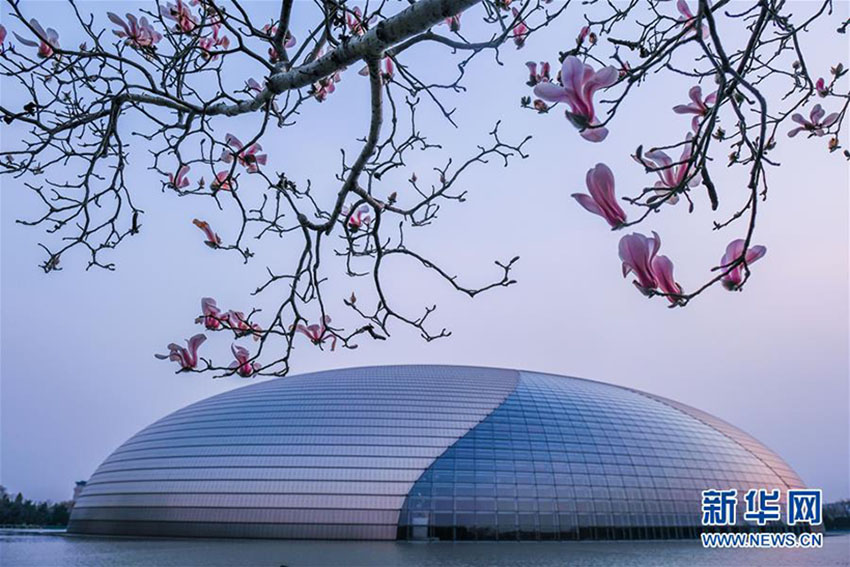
pixel 582 34
pixel 579 82
pixel 187 358
pixel 180 181
pixel 2 35
pixel 240 325
pixel 185 21
pixel 288 41
pixel 48 41
pixel 322 88
pixel 602 201
pixel 208 44
pixel 662 268
pixel 139 32
pixel 355 22
pixel 689 18
pixel 671 175
pixel 816 124
pixel 358 218
pixel 639 254
pixel 820 86
pixel 210 314
pixel 318 333
pixel 520 31
pixel 535 77
pixel 386 74
pixel 213 240
pixel 222 182
pixel 697 106
pixel 243 365
pixel 540 106
pixel 734 253
pixel 246 157
pixel 453 22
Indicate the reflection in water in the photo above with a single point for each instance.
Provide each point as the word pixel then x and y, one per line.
pixel 26 549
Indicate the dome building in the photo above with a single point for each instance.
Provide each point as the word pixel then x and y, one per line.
pixel 423 452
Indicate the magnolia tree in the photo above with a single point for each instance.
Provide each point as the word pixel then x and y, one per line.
pixel 172 65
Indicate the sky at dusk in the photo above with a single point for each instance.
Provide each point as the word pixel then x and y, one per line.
pixel 76 347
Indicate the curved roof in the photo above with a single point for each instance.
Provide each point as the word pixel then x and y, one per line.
pixel 380 452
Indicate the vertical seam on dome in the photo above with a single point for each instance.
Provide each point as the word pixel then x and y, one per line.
pixel 518 376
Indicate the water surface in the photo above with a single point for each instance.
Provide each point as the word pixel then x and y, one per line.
pixel 45 549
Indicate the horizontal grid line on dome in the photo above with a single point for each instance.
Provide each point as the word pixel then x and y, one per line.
pixel 256 440
pixel 294 466
pixel 317 422
pixel 369 405
pixel 377 450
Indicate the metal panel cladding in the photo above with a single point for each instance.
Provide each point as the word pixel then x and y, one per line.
pixel 329 455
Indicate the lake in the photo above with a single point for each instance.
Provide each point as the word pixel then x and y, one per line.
pixel 48 549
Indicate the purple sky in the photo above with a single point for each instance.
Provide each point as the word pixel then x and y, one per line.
pixel 79 376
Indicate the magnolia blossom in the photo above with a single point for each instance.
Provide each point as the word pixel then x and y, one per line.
pixel 734 253
pixel 185 21
pixel 243 365
pixel 213 240
pixel 639 254
pixel 520 31
pixel 579 82
pixel 48 40
pixel 453 22
pixel 2 35
pixel 386 74
pixel 602 201
pixel 358 218
pixel 820 86
pixel 139 32
pixel 187 358
pixel 318 333
pixel 288 41
pixel 246 157
pixel 354 21
pixel 208 44
pixel 211 314
pixel 688 18
pixel 672 176
pixel 240 325
pixel 698 105
pixel 540 106
pixel 322 88
pixel 662 267
pixel 535 77
pixel 257 89
pixel 222 182
pixel 180 181
pixel 255 86
pixel 816 124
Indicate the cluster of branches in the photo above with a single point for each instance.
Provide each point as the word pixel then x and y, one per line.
pixel 171 68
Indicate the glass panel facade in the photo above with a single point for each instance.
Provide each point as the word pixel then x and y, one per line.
pixel 564 458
